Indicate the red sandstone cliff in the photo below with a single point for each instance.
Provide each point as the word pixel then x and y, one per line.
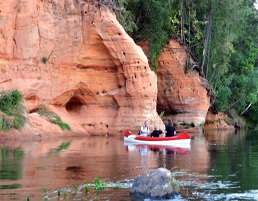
pixel 181 89
pixel 93 75
pixel 183 94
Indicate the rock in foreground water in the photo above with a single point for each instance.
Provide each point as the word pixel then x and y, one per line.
pixel 158 184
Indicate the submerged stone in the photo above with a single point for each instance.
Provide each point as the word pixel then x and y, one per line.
pixel 158 184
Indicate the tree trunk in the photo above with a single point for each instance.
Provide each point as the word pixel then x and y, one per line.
pixel 208 33
pixel 182 23
pixel 246 108
pixel 139 16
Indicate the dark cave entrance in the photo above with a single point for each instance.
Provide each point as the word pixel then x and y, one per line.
pixel 74 106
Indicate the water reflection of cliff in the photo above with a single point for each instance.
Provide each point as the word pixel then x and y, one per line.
pixel 57 163
pixel 222 137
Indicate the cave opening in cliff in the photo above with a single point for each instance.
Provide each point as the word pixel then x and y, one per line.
pixel 74 106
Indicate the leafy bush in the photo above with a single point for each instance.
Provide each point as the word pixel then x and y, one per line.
pixel 12 110
pixel 10 101
pixel 154 24
pixel 18 122
pixel 3 124
pixel 44 59
pixel 53 118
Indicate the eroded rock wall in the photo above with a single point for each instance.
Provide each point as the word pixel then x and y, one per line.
pixel 181 89
pixel 218 121
pixel 183 95
pixel 74 57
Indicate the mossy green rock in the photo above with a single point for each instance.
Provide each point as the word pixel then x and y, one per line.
pixel 158 184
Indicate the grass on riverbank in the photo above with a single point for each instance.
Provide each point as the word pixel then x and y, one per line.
pixel 53 118
pixel 11 110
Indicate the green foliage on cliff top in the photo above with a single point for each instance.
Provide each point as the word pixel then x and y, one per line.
pixel 147 20
pixel 222 36
pixel 11 115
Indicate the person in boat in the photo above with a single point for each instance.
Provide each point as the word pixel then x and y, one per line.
pixel 145 130
pixel 157 132
pixel 170 129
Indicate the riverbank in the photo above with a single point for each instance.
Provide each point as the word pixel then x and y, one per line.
pixel 15 135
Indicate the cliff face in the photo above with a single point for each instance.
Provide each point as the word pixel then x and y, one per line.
pixel 181 89
pixel 183 94
pixel 217 121
pixel 74 57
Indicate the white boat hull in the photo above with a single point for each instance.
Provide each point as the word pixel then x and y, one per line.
pixel 181 143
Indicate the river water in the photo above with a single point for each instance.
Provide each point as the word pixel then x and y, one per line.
pixel 219 165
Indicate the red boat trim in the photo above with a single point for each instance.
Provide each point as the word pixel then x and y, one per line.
pixel 127 133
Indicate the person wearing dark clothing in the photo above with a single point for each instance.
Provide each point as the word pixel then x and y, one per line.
pixel 156 132
pixel 170 129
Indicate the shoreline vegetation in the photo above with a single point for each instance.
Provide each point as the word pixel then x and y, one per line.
pixel 225 51
pixel 13 119
pixel 53 118
pixel 12 112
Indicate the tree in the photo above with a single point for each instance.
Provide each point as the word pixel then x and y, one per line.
pixel 221 34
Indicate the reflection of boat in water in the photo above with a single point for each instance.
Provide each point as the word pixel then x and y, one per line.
pixel 181 140
pixel 143 148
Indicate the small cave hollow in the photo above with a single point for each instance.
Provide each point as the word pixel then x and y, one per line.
pixel 74 106
pixel 33 101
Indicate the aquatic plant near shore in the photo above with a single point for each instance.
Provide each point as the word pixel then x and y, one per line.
pixel 87 190
pixel 99 185
pixel 91 191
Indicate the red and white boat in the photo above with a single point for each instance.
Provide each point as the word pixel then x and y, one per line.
pixel 182 139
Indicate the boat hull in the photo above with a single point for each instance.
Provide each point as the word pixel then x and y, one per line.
pixel 132 147
pixel 179 140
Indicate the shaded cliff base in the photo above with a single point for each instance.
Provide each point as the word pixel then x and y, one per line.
pixel 218 121
pixel 38 128
pixel 213 121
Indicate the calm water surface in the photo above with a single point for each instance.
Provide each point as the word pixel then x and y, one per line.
pixel 219 165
